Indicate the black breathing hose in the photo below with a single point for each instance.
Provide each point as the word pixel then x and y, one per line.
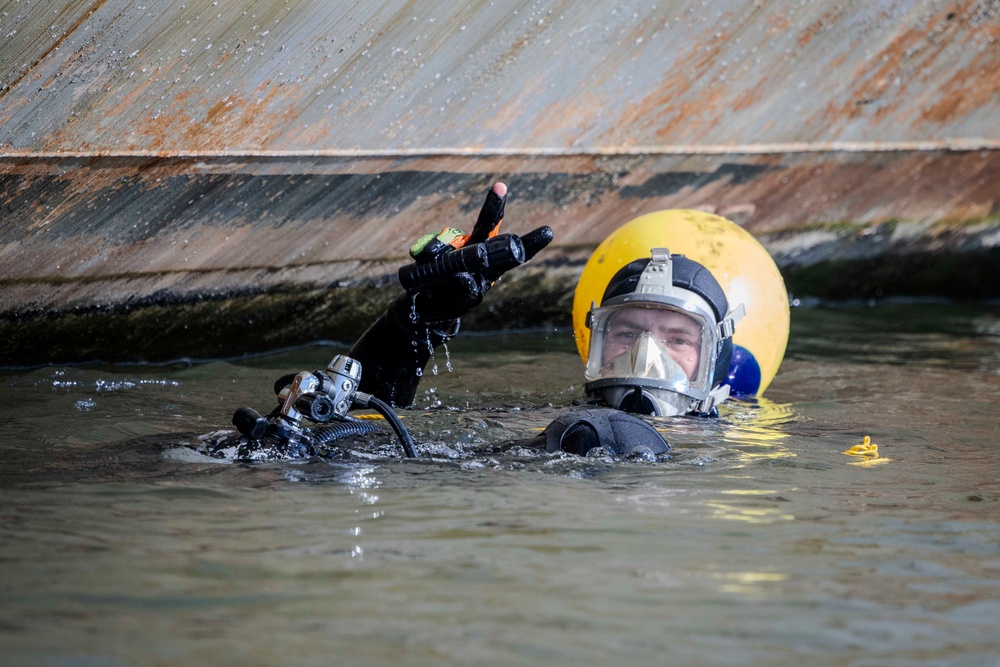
pixel 324 435
pixel 367 400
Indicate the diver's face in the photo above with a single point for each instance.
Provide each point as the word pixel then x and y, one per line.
pixel 679 334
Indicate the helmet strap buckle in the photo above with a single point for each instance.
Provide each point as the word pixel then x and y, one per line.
pixel 658 276
pixel 727 327
pixel 715 397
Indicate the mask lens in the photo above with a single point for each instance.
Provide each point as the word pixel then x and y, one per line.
pixel 653 343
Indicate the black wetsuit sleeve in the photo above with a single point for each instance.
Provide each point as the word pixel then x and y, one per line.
pixel 394 351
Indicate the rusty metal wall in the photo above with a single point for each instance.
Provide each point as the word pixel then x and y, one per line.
pixel 79 231
pixel 166 150
pixel 204 76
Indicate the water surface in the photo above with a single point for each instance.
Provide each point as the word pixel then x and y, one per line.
pixel 758 543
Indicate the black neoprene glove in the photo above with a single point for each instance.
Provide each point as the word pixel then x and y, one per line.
pixel 452 272
pixel 450 276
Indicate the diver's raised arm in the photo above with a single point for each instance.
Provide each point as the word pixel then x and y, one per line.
pixel 449 276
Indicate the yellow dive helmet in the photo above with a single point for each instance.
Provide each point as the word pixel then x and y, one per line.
pixel 742 267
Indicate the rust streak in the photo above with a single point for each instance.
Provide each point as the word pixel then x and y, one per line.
pixel 975 86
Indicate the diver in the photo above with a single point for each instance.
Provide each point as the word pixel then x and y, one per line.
pixel 659 342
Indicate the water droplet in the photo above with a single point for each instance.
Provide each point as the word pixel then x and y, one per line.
pixel 430 349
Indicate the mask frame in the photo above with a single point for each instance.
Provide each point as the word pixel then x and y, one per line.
pixel 603 323
pixel 655 289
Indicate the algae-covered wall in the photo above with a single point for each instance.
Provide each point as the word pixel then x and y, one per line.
pixel 212 178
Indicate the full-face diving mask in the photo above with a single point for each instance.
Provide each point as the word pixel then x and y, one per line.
pixel 659 349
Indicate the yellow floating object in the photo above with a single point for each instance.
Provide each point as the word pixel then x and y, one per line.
pixel 865 448
pixel 738 261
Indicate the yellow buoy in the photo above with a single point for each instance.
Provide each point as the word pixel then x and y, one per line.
pixel 738 261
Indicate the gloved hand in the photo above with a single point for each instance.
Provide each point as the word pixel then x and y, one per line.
pixel 452 271
pixel 449 277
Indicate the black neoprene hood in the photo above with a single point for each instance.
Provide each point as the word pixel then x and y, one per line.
pixel 687 274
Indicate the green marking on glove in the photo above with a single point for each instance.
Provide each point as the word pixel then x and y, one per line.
pixel 432 245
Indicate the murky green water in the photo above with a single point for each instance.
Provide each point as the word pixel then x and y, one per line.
pixel 759 543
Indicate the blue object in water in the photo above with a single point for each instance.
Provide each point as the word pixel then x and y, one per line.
pixel 744 373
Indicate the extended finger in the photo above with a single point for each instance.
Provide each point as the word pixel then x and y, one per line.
pixel 535 240
pixel 491 215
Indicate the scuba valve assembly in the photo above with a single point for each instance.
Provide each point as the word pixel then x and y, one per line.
pixel 323 397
